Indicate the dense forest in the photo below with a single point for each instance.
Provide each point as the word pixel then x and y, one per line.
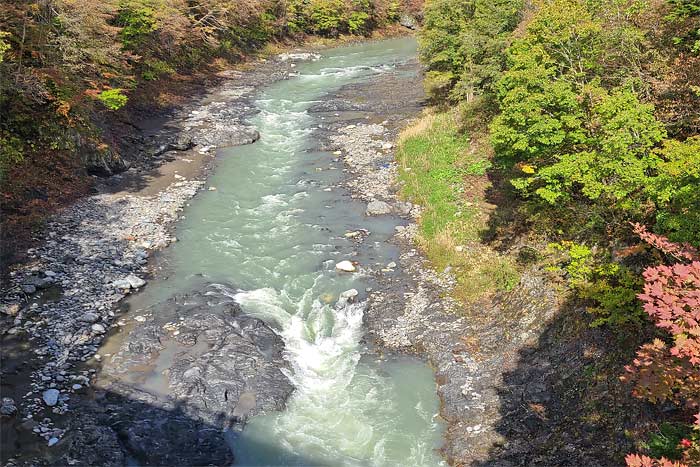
pixel 584 115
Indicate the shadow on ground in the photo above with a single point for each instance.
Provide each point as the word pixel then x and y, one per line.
pixel 561 402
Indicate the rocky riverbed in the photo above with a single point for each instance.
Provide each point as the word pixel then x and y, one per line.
pixel 61 304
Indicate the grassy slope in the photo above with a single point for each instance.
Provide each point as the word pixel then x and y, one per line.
pixel 444 171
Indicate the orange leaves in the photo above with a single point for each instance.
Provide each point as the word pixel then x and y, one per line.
pixel 671 297
pixel 635 460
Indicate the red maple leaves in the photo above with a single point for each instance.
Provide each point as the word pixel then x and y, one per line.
pixel 669 371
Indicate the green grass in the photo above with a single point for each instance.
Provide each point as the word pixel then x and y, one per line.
pixel 441 172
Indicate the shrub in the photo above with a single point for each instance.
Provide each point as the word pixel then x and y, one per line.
pixel 4 45
pixel 676 190
pixel 661 372
pixel 326 16
pixel 137 18
pixel 154 69
pixel 113 99
pixel 611 287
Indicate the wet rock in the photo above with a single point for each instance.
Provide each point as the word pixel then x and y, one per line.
pixel 98 329
pixel 182 142
pixel 378 208
pixel 89 318
pixel 221 354
pixel 37 282
pixel 346 266
pixel 346 297
pixel 50 397
pixel 52 441
pixel 11 309
pixel 122 284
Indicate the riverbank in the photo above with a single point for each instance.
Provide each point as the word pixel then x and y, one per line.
pixel 60 304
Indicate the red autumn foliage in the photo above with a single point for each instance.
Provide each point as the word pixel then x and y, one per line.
pixel 670 371
pixel 635 460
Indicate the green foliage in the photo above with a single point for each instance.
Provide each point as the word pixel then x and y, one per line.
pixel 611 163
pixel 437 84
pixel 154 69
pixel 611 287
pixel 137 18
pixel 113 99
pixel 676 190
pixel 326 16
pixel 4 45
pixel 665 442
pixel 462 41
pixel 357 22
pixel 11 151
pixel 686 11
pixel 540 115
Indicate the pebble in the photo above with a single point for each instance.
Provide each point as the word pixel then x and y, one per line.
pixel 135 281
pixel 98 329
pixel 50 397
pixel 89 318
pixel 346 266
pixel 53 441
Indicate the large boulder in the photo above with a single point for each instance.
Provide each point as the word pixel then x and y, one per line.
pixel 222 136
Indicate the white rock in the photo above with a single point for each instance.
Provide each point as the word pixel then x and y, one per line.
pixel 135 281
pixel 349 294
pixel 121 284
pixel 387 146
pixel 377 208
pixel 346 266
pixel 98 329
pixel 391 265
pixel 53 441
pixel 77 387
pixel 50 397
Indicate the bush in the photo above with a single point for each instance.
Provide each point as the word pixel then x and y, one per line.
pixel 4 45
pixel 670 372
pixel 676 190
pixel 137 20
pixel 611 287
pixel 113 99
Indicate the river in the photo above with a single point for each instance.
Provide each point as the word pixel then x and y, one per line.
pixel 270 236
